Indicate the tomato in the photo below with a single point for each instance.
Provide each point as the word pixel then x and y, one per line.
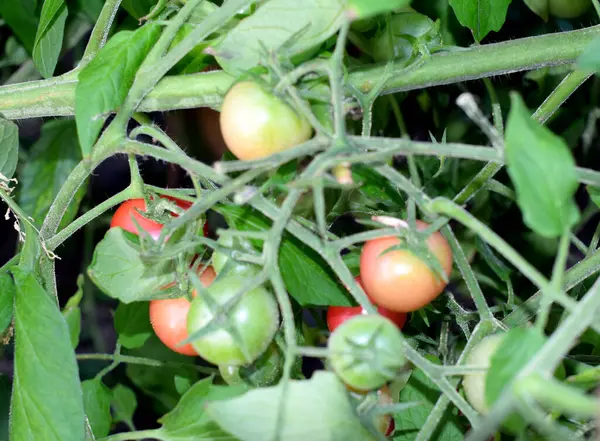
pixel 265 371
pixel 128 211
pixel 336 315
pixel 474 384
pixel 399 280
pixel 256 124
pixel 221 261
pixel 568 8
pixel 254 318
pixel 169 317
pixel 366 351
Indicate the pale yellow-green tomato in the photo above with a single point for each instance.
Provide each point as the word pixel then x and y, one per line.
pixel 474 384
pixel 256 124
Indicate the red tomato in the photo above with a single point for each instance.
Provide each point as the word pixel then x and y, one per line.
pixel 398 279
pixel 169 317
pixel 128 211
pixel 336 315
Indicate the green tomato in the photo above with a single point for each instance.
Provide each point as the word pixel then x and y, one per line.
pixel 256 124
pixel 481 355
pixel 568 8
pixel 265 371
pixel 474 384
pixel 243 331
pixel 223 262
pixel 366 351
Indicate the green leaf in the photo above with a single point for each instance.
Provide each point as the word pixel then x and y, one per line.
pixel 408 423
pixel 104 83
pixel 518 347
pixel 542 169
pixel 72 313
pixel 22 18
pixel 132 323
pixel 49 36
pixel 540 7
pixel 119 272
pixel 481 16
pixel 9 147
pixel 358 9
pixel 298 24
pixel 158 382
pixel 96 402
pixel 590 58
pixel 73 318
pixel 189 420
pixel 315 409
pixel 47 400
pixel 7 295
pixel 298 262
pixel 123 403
pixel 51 160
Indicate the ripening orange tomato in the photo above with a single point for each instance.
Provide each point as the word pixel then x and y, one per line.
pixel 169 317
pixel 399 280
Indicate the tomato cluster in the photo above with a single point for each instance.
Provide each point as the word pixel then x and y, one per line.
pixel 240 325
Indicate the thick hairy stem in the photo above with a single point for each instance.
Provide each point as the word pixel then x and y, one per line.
pixel 56 97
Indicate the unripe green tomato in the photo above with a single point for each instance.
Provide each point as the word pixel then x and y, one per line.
pixel 568 8
pixel 257 124
pixel 366 351
pixel 474 384
pixel 221 260
pixel 254 317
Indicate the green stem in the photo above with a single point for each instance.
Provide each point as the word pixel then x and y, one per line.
pixel 101 30
pixel 56 240
pixel 126 436
pixel 562 92
pixel 483 61
pixel 558 396
pixel 128 359
pixel 556 282
pixel 337 81
pixel 56 97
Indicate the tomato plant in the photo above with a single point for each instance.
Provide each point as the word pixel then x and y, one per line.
pixel 336 315
pixel 366 351
pixel 311 135
pixel 400 280
pixel 169 317
pixel 256 124
pixel 243 328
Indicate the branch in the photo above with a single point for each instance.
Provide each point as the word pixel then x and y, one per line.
pixel 56 97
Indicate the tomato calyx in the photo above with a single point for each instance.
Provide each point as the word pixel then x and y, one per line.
pixel 366 351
